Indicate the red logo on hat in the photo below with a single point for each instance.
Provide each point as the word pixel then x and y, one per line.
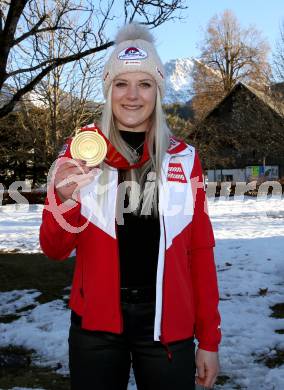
pixel 132 53
pixel 131 50
pixel 176 173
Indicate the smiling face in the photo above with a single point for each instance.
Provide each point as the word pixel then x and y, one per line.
pixel 133 101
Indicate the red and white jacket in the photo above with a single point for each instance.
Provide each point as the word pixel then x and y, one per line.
pixel 186 285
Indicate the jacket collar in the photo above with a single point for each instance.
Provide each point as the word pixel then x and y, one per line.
pixel 178 147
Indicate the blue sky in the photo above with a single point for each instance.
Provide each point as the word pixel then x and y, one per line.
pixel 179 39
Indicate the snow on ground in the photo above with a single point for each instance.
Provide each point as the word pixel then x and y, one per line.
pixel 13 301
pixel 44 329
pixel 24 388
pixel 249 256
pixel 19 225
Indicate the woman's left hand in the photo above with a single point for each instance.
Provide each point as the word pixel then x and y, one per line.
pixel 207 364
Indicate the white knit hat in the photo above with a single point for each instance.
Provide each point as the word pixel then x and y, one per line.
pixel 134 52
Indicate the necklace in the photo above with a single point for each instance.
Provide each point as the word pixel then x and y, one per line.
pixel 131 138
pixel 135 150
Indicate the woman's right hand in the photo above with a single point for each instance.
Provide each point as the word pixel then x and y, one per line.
pixel 70 176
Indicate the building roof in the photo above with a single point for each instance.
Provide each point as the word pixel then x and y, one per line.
pixel 274 104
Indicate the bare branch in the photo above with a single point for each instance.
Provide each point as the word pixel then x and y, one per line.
pixel 154 12
pixel 31 32
pixel 59 61
pixel 7 34
pixel 79 28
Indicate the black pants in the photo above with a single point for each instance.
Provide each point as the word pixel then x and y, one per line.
pixel 102 360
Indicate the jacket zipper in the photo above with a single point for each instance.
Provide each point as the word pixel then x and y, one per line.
pixel 82 281
pixel 118 260
pixel 161 337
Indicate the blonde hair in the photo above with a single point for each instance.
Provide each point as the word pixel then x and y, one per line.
pixel 157 139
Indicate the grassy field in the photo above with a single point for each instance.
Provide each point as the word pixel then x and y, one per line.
pixel 35 271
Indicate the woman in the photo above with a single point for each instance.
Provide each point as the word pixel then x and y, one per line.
pixel 145 281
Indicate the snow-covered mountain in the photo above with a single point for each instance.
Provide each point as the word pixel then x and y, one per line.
pixel 178 80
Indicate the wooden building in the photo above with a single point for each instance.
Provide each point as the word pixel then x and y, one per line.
pixel 245 129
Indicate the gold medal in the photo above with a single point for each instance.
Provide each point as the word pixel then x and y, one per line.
pixel 89 146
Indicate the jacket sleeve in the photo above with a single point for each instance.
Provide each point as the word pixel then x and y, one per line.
pixel 57 235
pixel 56 238
pixel 203 270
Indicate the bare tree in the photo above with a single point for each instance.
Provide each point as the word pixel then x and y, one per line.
pixel 229 54
pixel 23 24
pixel 66 92
pixel 207 89
pixel 277 89
pixel 278 57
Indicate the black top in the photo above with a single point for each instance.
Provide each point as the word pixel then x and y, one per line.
pixel 138 237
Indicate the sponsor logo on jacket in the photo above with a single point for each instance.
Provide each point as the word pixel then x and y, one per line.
pixel 176 173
